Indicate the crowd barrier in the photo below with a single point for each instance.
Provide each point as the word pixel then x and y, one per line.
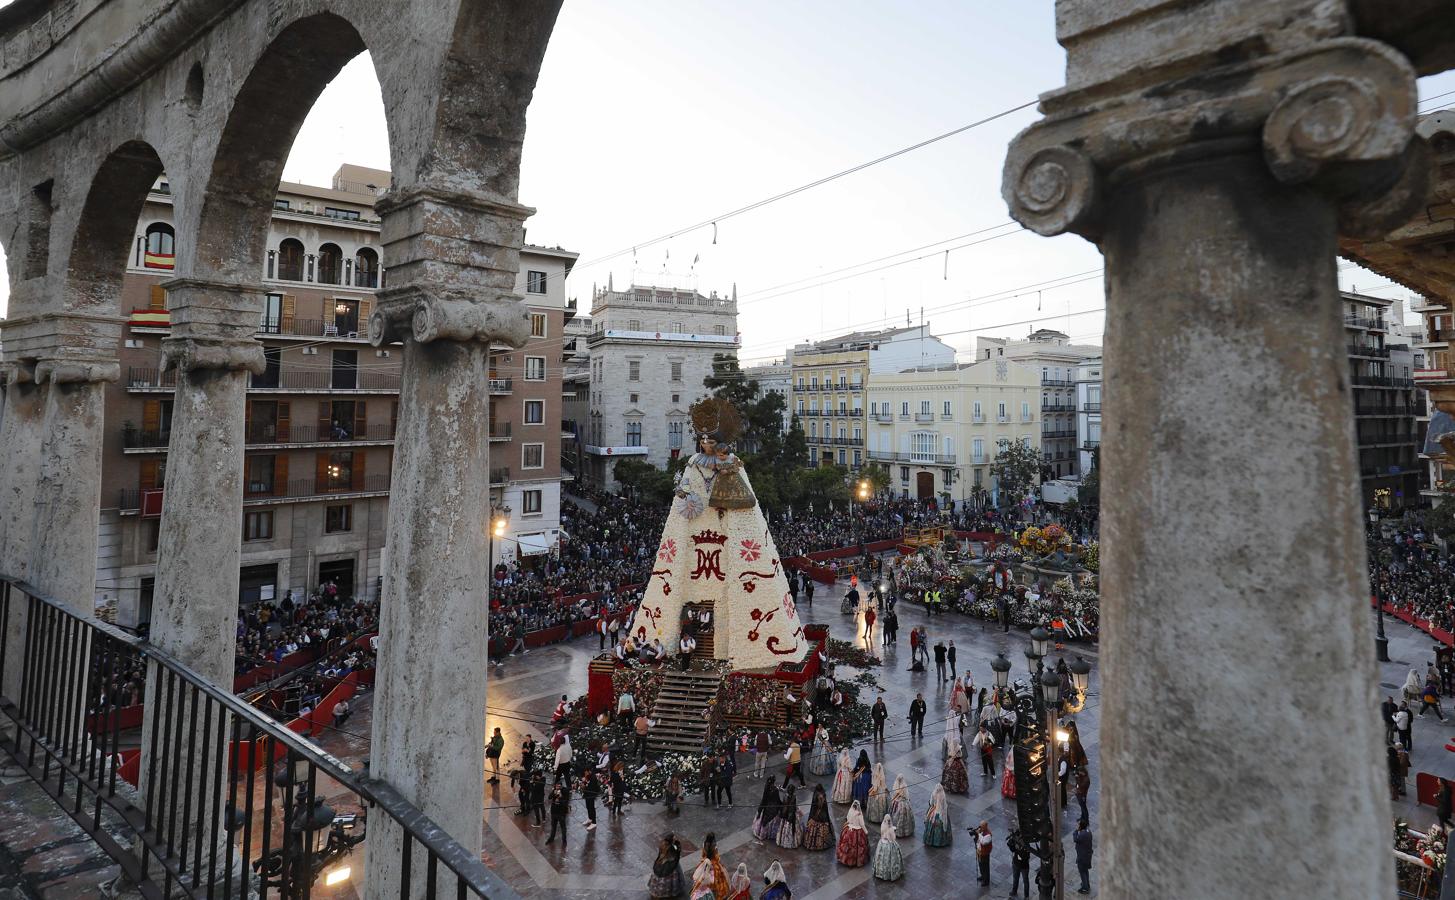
pixel 1409 618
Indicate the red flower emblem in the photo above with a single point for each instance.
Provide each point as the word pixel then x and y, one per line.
pixel 668 551
pixel 751 550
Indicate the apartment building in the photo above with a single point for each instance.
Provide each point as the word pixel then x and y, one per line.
pixel 939 429
pixel 1059 361
pixel 775 378
pixel 1386 405
pixel 650 351
pixel 1434 373
pixel 1086 439
pixel 829 379
pixel 320 420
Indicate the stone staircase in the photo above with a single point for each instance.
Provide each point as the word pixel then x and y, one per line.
pixel 678 711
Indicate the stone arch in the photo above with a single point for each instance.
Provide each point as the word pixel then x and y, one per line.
pixel 266 113
pixel 330 264
pixel 107 226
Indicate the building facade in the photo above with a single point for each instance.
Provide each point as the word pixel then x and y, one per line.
pixel 829 378
pixel 775 378
pixel 938 430
pixel 1386 407
pixel 650 350
pixel 1436 328
pixel 320 420
pixel 1059 361
pixel 1087 440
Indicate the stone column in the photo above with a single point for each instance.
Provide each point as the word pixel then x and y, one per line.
pixel 21 437
pixel 1241 754
pixel 455 261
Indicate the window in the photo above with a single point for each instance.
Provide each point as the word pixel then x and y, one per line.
pixel 345 370
pixel 290 261
pixel 366 268
pixel 535 412
pixel 676 371
pixel 161 251
pixel 535 282
pixel 904 407
pixel 1000 412
pixel 531 500
pixel 813 429
pixel 330 264
pixel 537 324
pixel 348 215
pixel 535 368
pixel 677 328
pixel 272 314
pixel 338 471
pixel 873 408
pixel 858 457
pixel 719 329
pixel 280 204
pixel 976 412
pixel 634 370
pixel 841 455
pixel 260 474
pixel 977 449
pixel 337 519
pixel 258 525
pixel 533 456
pixel 979 476
pixel 1025 411
pixel 924 407
pixel 841 432
pixel 858 433
pixel 922 447
pixel 633 324
pixel 674 435
pixel 945 410
pixel 904 473
pixel 1026 441
pixel 634 434
pixel 843 407
pixel 346 317
pixel 633 399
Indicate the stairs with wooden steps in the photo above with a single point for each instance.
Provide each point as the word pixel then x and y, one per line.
pixel 678 710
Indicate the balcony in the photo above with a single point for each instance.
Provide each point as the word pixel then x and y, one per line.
pixel 1052 435
pixel 1027 418
pixel 264 434
pixel 311 488
pixel 924 417
pixel 501 386
pixel 1091 445
pixel 1374 324
pixel 500 431
pixel 977 419
pixel 300 380
pixel 1058 407
pixel 314 328
pixel 922 459
pixel 1381 381
pixel 882 416
pixel 1002 419
pixel 1091 407
pixel 1369 351
pixel 500 475
pixel 1399 410
pixel 1055 382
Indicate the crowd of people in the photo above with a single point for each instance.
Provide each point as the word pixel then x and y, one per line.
pixel 1407 571
pixel 267 632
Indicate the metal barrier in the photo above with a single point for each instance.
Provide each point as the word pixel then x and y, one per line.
pixel 220 801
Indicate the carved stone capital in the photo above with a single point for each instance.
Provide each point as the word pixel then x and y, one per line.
pixel 1337 114
pixel 77 371
pixel 451 315
pixel 188 353
pixel 18 372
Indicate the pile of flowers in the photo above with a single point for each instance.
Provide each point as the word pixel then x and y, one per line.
pixel 1091 560
pixel 755 699
pixel 642 681
pixel 849 654
pixel 1431 848
pixel 1045 541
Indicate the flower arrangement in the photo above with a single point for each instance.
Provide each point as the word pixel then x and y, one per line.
pixel 1045 541
pixel 848 654
pixel 642 681
pixel 755 699
pixel 1091 560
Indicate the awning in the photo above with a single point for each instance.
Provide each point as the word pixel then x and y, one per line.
pixel 534 544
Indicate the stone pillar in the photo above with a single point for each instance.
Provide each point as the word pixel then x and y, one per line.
pixel 1241 757
pixel 455 261
pixel 21 436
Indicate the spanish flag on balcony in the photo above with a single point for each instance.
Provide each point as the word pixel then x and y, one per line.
pixel 159 260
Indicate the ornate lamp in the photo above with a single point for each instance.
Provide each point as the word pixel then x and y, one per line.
pixel 1001 667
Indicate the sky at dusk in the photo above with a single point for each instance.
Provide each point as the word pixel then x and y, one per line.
pixel 651 115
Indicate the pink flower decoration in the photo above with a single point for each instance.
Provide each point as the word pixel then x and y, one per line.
pixel 751 550
pixel 668 550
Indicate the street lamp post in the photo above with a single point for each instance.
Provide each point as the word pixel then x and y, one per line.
pixel 1050 685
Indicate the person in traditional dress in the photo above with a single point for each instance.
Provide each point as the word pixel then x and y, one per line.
pixel 877 806
pixel 777 883
pixel 741 884
pixel 888 858
pixel 709 879
pixel 666 880
pixel 1007 776
pixel 863 775
pixel 818 829
pixel 853 849
pixel 953 776
pixel 790 822
pixel 822 760
pixel 844 777
pixel 900 810
pixel 957 696
pixel 765 823
pixel 950 738
pixel 937 820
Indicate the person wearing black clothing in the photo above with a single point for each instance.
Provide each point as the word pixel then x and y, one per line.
pixel 879 713
pixel 917 711
pixel 560 806
pixel 538 797
pixel 1082 839
pixel 726 769
pixel 590 790
pixel 618 788
pixel 707 777
pixel 1443 803
pixel 1386 712
pixel 940 660
pixel 808 591
pixel 1020 863
pixel 950 657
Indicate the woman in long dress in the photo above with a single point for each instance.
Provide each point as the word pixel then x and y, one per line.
pixel 790 823
pixel 1007 776
pixel 957 699
pixel 877 806
pixel 765 823
pixel 818 829
pixel 899 809
pixel 853 847
pixel 950 738
pixel 741 884
pixel 953 776
pixel 666 880
pixel 888 858
pixel 822 761
pixel 709 879
pixel 863 774
pixel 937 820
pixel 777 883
pixel 844 778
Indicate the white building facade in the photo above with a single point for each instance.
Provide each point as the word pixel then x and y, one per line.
pixel 1057 358
pixel 649 353
pixel 775 378
pixel 1088 414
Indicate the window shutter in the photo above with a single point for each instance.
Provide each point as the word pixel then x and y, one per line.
pixel 361 420
pixel 366 308
pixel 148 474
pixel 320 473
pixel 393 418
pixel 280 475
pixel 358 471
pixel 327 312
pixel 286 323
pixel 325 421
pixel 284 413
pixel 159 297
pixel 151 416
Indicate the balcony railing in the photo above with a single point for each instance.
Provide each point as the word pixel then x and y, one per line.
pixel 977 419
pixel 1091 407
pixel 1382 381
pixel 924 417
pixel 882 416
pixel 315 328
pixel 1091 445
pixel 1058 407
pixel 1374 352
pixel 228 809
pixel 286 379
pixel 1362 322
pixel 923 459
pixel 258 433
pixel 1055 382
pixel 499 431
pixel 1395 410
pixel 1052 435
pixel 297 488
pixel 500 475
pixel 501 385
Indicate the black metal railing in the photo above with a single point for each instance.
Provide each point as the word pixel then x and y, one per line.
pixel 222 801
pixel 265 433
pixel 288 379
pixel 313 487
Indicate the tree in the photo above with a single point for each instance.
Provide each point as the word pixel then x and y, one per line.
pixel 1015 470
pixel 644 481
pixel 1090 493
pixel 1441 520
pixel 877 474
pixel 824 485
